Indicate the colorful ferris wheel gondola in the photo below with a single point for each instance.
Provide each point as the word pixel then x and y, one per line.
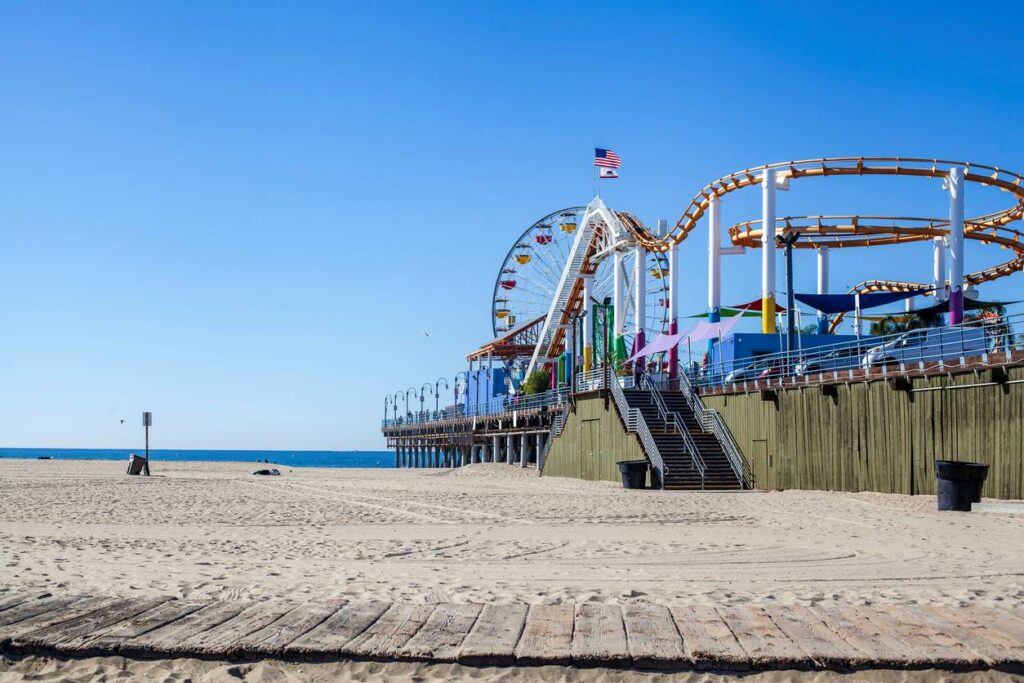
pixel 659 271
pixel 568 224
pixel 543 236
pixel 523 253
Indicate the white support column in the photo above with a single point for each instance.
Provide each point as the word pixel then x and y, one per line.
pixel 673 307
pixel 955 184
pixel 510 448
pixel 939 268
pixel 619 323
pixel 495 449
pixel 768 251
pixel 822 286
pixel 639 301
pixel 588 324
pixel 714 260
pixel 539 448
pixel 523 447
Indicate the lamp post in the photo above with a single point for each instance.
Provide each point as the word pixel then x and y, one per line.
pixel 394 406
pixel 787 240
pixel 387 402
pixel 413 390
pixel 423 393
pixel 437 392
pixel 476 378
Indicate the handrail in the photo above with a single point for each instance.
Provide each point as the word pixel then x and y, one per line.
pixel 635 423
pixel 557 424
pixel 711 421
pixel 672 420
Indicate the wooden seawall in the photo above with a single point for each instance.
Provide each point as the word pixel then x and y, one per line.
pixel 641 635
pixel 882 436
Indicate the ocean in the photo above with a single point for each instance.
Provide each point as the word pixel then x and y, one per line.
pixel 287 458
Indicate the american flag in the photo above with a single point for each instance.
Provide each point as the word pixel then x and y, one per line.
pixel 605 158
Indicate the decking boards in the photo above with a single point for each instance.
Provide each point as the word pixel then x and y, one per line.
pixel 639 635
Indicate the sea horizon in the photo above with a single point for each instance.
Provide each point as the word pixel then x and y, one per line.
pixel 289 458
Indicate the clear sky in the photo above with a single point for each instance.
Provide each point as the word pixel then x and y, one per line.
pixel 248 217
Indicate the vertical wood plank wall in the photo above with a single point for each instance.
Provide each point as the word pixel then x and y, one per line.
pixel 871 437
pixel 592 441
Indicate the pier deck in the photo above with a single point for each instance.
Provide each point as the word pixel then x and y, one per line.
pixel 640 635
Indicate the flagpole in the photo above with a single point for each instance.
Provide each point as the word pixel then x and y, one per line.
pixel 597 192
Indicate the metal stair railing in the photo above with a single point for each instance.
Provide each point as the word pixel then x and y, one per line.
pixel 671 419
pixel 636 424
pixel 557 424
pixel 711 421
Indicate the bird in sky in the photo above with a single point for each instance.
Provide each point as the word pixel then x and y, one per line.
pixel 122 421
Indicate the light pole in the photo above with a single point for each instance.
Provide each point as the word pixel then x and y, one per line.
pixel 787 240
pixel 426 386
pixel 400 395
pixel 413 390
pixel 437 392
pixel 387 402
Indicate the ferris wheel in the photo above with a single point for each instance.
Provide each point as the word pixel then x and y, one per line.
pixel 529 276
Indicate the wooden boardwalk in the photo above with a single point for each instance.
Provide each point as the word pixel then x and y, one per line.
pixel 641 635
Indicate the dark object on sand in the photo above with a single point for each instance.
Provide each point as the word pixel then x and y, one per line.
pixel 138 465
pixel 959 483
pixel 634 473
pixel 44 457
pixel 267 473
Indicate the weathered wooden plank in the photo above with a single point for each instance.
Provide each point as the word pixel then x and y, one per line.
pixel 547 635
pixel 707 640
pixel 274 637
pixel 223 639
pixel 390 632
pixel 824 646
pixel 329 637
pixel 441 636
pixel 1003 629
pixel 32 608
pixel 25 610
pixel 68 636
pixel 56 612
pixel 871 644
pixel 765 644
pixel 975 636
pixel 599 636
pixel 651 636
pixel 19 598
pixel 494 635
pixel 929 645
pixel 109 641
pixel 169 640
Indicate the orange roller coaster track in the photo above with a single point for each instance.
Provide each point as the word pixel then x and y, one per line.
pixel 992 176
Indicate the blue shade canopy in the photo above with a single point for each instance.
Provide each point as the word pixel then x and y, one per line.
pixel 841 303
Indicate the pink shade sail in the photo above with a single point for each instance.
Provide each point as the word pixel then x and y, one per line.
pixel 663 342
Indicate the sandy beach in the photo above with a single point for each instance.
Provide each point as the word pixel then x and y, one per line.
pixel 485 533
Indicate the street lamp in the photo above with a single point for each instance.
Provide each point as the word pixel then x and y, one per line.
pixel 787 240
pixel 437 392
pixel 394 403
pixel 426 387
pixel 413 390
pixel 387 402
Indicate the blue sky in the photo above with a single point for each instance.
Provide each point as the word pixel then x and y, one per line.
pixel 246 216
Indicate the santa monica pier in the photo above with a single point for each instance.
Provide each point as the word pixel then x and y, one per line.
pixel 592 362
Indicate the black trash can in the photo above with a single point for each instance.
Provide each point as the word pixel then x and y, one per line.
pixel 960 483
pixel 634 473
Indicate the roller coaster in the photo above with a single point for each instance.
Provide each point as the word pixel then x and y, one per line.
pixel 569 262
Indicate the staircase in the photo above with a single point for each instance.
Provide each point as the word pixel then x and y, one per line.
pixel 710 469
